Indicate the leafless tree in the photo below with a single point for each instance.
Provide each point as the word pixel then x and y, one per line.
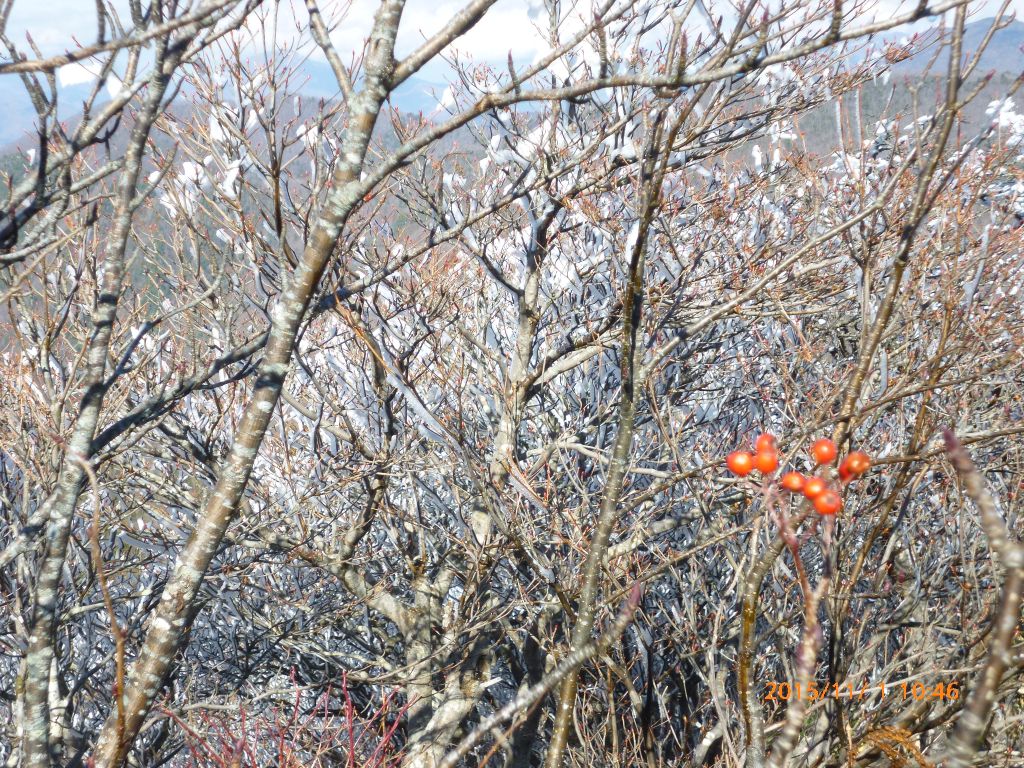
pixel 334 434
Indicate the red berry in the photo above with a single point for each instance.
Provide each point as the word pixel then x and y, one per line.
pixel 828 503
pixel 793 481
pixel 814 487
pixel 857 463
pixel 740 462
pixel 824 451
pixel 766 462
pixel 765 442
pixel 845 475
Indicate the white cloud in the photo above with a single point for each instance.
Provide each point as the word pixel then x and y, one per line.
pixel 76 74
pixel 510 25
pixel 113 85
pixel 56 25
pixel 517 26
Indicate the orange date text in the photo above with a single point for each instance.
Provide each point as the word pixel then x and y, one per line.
pixel 907 691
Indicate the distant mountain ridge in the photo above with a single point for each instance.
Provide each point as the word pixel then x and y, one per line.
pixel 1005 53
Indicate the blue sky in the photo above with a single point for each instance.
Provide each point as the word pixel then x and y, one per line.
pixel 511 26
pixel 54 24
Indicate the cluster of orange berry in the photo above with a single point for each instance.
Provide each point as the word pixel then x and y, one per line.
pixel 765 459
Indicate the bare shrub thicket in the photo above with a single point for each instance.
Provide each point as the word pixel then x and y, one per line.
pixel 337 435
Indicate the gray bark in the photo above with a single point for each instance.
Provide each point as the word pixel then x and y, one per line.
pixel 59 507
pixel 165 630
